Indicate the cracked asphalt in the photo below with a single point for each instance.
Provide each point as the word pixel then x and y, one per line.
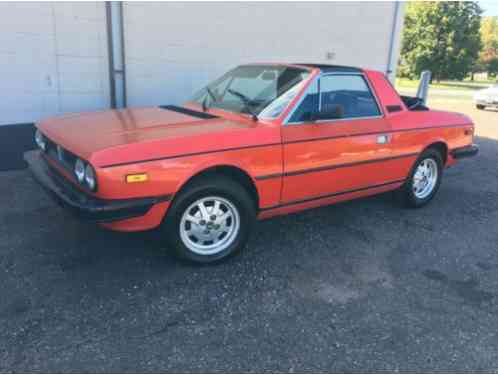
pixel 362 286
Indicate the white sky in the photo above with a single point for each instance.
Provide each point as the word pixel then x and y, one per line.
pixel 490 8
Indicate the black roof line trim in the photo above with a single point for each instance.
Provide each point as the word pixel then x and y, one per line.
pixel 332 68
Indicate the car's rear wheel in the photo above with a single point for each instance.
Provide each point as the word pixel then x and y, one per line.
pixel 480 106
pixel 210 220
pixel 424 179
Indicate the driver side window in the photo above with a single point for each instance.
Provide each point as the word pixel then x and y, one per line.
pixel 308 106
pixel 337 97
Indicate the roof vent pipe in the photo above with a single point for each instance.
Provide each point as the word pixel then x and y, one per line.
pixel 116 53
pixel 423 86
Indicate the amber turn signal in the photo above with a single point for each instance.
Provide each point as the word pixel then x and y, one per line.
pixel 139 177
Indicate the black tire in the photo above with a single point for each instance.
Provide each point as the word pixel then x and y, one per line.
pixel 480 106
pixel 209 186
pixel 406 193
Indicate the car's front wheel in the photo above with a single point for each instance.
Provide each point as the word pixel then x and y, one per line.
pixel 210 220
pixel 480 106
pixel 424 179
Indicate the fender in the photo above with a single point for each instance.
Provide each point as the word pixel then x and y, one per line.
pixel 209 164
pixel 433 141
pixel 253 162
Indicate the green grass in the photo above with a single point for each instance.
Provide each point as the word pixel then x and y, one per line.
pixel 445 85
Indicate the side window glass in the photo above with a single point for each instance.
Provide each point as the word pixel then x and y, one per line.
pixel 279 104
pixel 308 106
pixel 346 96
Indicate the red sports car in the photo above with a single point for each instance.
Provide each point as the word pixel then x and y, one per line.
pixel 262 140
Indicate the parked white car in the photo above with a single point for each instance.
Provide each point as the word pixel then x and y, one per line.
pixel 487 97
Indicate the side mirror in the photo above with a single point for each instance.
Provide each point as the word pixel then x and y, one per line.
pixel 328 112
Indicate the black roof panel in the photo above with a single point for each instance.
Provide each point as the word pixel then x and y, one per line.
pixel 332 68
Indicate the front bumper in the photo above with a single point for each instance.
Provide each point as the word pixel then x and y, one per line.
pixel 82 204
pixel 465 152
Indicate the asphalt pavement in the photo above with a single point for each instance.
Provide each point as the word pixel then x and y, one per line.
pixel 362 286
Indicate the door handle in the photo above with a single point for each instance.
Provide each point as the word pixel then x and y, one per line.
pixel 383 139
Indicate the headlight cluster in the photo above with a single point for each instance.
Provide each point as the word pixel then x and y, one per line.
pixel 83 171
pixel 85 174
pixel 40 140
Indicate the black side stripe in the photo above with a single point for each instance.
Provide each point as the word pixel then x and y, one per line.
pixel 268 177
pixel 191 154
pixel 292 203
pixel 345 165
pixel 188 111
pixel 374 133
pixel 335 166
pixel 275 144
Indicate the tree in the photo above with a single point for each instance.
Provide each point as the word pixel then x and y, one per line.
pixel 442 37
pixel 492 67
pixel 488 57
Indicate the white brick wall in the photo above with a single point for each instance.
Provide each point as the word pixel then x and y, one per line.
pixel 53 56
pixel 172 49
pixel 53 59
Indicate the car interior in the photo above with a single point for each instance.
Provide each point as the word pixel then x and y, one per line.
pixel 351 104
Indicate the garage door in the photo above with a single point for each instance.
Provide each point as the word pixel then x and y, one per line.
pixel 172 49
pixel 53 60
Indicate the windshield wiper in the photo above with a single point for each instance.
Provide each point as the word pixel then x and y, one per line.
pixel 247 102
pixel 213 98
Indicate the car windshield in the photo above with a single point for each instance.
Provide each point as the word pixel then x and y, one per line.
pixel 261 90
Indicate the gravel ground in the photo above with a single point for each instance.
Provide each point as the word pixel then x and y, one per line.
pixel 362 286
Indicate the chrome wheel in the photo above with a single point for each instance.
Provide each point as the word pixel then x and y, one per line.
pixel 425 178
pixel 209 225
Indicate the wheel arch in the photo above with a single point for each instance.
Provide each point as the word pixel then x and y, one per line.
pixel 235 173
pixel 441 147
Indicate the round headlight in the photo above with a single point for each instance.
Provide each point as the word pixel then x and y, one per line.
pixel 40 140
pixel 90 177
pixel 79 170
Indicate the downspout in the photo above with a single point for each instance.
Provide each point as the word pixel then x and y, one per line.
pixel 394 29
pixel 116 53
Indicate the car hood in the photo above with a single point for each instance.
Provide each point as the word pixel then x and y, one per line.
pixel 120 136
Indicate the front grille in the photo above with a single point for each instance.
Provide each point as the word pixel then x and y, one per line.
pixel 60 155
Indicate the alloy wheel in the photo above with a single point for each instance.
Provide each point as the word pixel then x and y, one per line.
pixel 425 178
pixel 209 225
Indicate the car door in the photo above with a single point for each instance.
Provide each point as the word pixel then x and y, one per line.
pixel 336 140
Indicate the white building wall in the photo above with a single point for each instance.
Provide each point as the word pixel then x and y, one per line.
pixel 53 59
pixel 398 18
pixel 172 49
